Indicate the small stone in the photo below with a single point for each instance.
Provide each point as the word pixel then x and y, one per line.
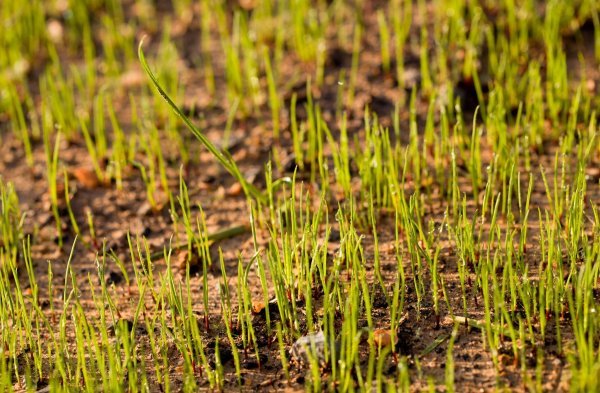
pixel 591 85
pixel 302 349
pixel 220 193
pixel 412 77
pixel 55 31
pixel 144 209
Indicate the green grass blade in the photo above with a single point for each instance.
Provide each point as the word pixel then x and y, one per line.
pixel 223 159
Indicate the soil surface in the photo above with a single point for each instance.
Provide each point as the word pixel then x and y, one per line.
pixel 119 212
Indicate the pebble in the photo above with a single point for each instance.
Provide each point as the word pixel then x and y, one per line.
pixel 301 351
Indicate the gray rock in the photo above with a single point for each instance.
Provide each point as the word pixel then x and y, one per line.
pixel 309 346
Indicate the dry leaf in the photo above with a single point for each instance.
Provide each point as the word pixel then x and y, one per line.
pixel 235 189
pixel 257 306
pixel 382 337
pixel 86 177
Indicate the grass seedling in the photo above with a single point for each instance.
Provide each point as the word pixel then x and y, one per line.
pixel 405 223
pixel 384 39
pixel 52 177
pixel 225 160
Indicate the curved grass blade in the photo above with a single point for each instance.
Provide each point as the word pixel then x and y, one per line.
pixel 224 159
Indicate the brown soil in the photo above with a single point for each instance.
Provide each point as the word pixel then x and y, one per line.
pixel 117 212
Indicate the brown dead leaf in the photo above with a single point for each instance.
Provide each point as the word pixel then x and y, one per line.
pixel 86 177
pixel 257 306
pixel 382 337
pixel 234 190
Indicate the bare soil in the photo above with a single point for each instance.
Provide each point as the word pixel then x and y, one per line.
pixel 117 212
